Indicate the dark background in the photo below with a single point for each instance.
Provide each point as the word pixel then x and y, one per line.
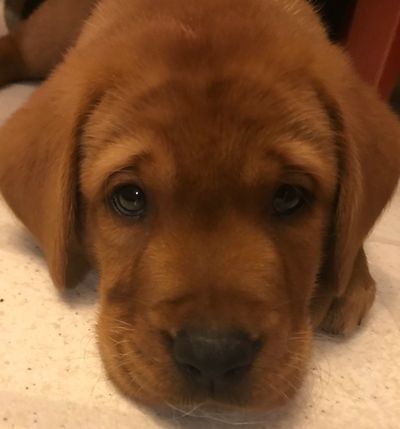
pixel 337 15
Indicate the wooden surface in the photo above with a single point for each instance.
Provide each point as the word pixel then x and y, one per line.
pixel 374 42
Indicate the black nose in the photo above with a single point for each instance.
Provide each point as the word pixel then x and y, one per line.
pixel 210 358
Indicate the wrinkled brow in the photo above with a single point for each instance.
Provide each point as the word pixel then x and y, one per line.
pixel 124 156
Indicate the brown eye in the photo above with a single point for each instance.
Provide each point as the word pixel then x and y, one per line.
pixel 129 201
pixel 288 199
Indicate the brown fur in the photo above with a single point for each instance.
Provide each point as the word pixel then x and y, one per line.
pixel 209 106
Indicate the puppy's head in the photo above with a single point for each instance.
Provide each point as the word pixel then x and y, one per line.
pixel 205 190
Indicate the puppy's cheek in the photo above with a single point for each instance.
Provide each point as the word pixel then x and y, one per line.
pixel 275 386
pixel 135 358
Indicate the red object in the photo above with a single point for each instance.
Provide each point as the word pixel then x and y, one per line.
pixel 374 42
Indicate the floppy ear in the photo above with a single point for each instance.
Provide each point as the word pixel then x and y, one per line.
pixel 38 172
pixel 369 168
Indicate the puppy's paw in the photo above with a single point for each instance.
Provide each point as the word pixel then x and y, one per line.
pixel 347 312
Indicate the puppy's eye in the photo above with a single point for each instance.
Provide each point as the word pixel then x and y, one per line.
pixel 288 199
pixel 129 200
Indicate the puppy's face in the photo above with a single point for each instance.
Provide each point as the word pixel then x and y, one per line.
pixel 205 156
pixel 206 208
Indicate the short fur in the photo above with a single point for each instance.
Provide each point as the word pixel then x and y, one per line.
pixel 209 106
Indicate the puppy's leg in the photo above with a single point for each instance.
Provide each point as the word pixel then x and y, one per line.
pixel 38 44
pixel 345 313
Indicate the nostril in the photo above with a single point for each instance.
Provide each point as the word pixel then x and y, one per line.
pixel 190 370
pixel 237 372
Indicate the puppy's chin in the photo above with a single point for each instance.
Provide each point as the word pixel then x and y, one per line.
pixel 156 384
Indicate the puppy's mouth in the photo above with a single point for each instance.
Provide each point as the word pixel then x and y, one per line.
pixel 183 374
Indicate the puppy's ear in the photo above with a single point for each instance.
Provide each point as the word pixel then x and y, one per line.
pixel 368 143
pixel 38 172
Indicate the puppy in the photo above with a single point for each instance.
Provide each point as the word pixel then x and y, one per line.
pixel 221 164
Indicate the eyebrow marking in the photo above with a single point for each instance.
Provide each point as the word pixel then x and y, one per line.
pixel 127 155
pixel 299 155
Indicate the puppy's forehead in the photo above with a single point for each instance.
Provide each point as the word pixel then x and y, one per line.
pixel 222 129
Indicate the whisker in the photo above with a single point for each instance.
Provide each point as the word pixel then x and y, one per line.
pixel 122 328
pixel 277 391
pixel 211 417
pixel 123 323
pixel 286 381
pixel 189 413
